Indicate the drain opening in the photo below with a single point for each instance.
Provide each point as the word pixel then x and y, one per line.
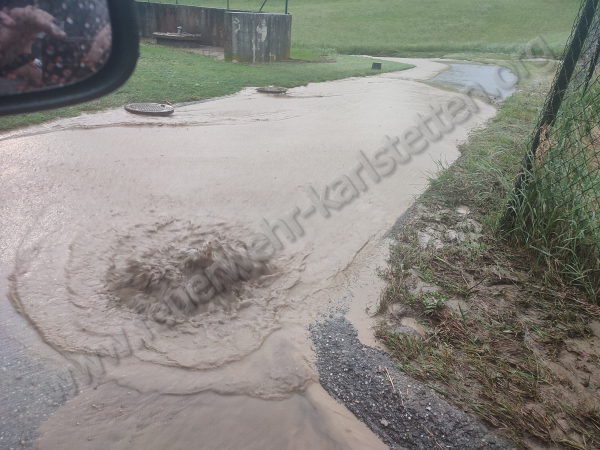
pixel 178 284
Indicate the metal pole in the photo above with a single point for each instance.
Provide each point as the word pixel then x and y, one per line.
pixel 592 67
pixel 564 76
pixel 262 6
pixel 286 3
pixel 562 80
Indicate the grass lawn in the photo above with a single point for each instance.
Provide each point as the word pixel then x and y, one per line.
pixel 468 29
pixel 167 74
pixel 433 27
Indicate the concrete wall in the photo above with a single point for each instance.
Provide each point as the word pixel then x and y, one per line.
pixel 246 36
pixel 208 22
pixel 257 37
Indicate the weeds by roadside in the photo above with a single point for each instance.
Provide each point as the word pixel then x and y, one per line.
pixel 503 339
pixel 557 216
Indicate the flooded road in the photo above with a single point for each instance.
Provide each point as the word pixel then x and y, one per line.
pixel 495 81
pixel 172 265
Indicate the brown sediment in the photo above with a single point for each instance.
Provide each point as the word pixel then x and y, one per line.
pixel 114 204
pixel 505 343
pixel 126 419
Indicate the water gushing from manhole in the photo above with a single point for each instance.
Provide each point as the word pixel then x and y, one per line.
pixel 207 299
pixel 169 284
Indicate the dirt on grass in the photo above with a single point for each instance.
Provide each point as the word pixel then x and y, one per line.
pixel 498 339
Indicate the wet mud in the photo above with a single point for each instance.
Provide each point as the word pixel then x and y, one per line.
pixel 129 249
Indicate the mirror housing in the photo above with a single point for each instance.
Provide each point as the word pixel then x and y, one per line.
pixel 113 73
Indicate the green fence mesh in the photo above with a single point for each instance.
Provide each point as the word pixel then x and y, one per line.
pixel 555 207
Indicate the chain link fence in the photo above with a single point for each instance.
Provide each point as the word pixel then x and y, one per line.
pixel 555 207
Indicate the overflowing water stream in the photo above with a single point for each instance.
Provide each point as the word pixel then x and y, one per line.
pixel 136 251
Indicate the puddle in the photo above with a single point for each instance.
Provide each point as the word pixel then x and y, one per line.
pixel 412 323
pixel 495 81
pixel 365 288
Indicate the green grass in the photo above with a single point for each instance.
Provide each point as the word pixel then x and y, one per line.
pixel 484 174
pixel 557 217
pixel 495 351
pixel 557 221
pixel 493 355
pixel 433 27
pixel 166 74
pixel 461 28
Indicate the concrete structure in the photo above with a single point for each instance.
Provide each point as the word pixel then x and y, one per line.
pixel 257 37
pixel 163 18
pixel 245 36
pixel 182 40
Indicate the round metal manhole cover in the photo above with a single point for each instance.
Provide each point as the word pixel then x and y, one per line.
pixel 272 90
pixel 150 109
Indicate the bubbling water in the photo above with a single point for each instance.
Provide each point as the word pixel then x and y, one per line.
pixel 186 293
pixel 171 284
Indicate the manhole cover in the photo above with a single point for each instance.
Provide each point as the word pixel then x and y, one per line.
pixel 272 90
pixel 149 109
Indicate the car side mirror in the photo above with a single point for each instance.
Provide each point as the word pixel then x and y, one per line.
pixel 62 52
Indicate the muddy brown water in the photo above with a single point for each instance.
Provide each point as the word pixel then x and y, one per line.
pixel 111 221
pixel 494 81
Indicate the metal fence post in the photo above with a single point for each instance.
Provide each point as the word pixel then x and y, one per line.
pixel 555 98
pixel 563 78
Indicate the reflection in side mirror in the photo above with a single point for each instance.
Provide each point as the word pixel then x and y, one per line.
pixel 51 44
pixel 56 53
